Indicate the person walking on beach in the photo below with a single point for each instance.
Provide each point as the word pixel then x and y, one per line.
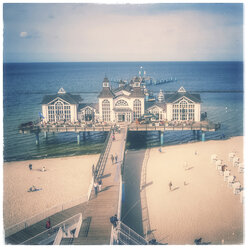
pixel 116 158
pixel 30 166
pixel 96 188
pixel 113 137
pixel 170 185
pixel 112 158
pixel 100 185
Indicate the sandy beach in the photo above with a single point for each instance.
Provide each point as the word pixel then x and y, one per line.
pixel 200 204
pixel 65 179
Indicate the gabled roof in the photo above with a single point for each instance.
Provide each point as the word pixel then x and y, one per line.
pixel 106 93
pixel 154 104
pixel 126 87
pixel 170 98
pixel 72 99
pixel 92 105
pixel 137 92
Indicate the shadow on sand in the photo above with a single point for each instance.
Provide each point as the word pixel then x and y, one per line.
pixel 131 205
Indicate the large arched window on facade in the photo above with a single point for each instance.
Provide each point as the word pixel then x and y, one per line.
pixel 136 109
pixel 121 103
pixel 106 110
pixel 59 111
pixel 183 110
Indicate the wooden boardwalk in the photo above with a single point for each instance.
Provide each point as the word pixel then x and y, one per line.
pixel 105 205
pixel 96 227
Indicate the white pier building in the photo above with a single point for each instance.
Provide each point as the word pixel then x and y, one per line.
pixel 125 103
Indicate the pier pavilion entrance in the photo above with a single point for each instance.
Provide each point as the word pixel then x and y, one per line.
pixel 123 115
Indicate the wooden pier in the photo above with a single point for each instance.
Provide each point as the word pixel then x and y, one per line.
pixel 203 126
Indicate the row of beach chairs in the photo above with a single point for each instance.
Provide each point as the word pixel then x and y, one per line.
pixel 230 179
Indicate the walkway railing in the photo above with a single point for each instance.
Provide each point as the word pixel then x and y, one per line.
pixel 56 234
pixel 104 156
pixel 41 216
pixel 124 235
pixel 203 125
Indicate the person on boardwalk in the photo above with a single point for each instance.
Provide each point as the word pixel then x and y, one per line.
pixel 170 185
pixel 48 224
pixel 116 158
pixel 114 220
pixel 30 167
pixel 100 185
pixel 112 158
pixel 113 137
pixel 96 188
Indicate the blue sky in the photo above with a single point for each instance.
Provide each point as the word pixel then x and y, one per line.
pixel 130 32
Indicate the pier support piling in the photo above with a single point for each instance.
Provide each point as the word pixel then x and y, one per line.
pixel 194 133
pixel 45 135
pixel 37 141
pixel 161 138
pixel 83 135
pixel 198 134
pixel 78 138
pixel 203 136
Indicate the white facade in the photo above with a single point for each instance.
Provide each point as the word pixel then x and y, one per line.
pixel 59 110
pixel 122 105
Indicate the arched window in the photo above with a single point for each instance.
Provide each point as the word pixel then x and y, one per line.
pixel 106 110
pixel 183 110
pixel 59 110
pixel 121 103
pixel 88 114
pixel 136 109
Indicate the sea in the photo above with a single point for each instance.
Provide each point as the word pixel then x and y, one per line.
pixel 220 85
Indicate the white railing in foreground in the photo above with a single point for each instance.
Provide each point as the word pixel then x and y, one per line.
pixel 41 238
pixel 41 216
pixel 58 237
pixel 124 235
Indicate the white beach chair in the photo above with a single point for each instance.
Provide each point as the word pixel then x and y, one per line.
pixel 236 188
pixel 241 197
pixel 231 155
pixel 235 161
pixel 217 163
pixel 241 168
pixel 226 174
pixel 213 158
pixel 230 180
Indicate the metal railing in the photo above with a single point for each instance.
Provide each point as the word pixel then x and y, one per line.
pixel 103 157
pixel 56 234
pixel 41 216
pixel 127 236
pixel 203 125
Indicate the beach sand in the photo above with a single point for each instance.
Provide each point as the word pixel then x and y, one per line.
pixel 65 179
pixel 203 208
